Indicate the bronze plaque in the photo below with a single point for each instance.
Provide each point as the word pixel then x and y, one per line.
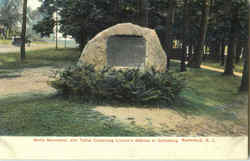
pixel 126 51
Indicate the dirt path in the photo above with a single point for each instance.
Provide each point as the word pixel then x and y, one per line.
pixel 163 121
pixel 35 80
pixel 167 121
pixel 219 70
pixel 213 69
pixel 27 81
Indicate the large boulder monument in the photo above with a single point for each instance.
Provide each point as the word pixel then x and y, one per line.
pixel 125 45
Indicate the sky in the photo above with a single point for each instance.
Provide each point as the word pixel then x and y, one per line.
pixel 33 4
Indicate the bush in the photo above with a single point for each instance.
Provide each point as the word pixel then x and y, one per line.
pixel 125 86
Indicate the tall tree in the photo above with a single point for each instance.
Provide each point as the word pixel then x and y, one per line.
pixel 245 78
pixel 196 58
pixel 10 15
pixel 169 27
pixel 117 4
pixel 186 18
pixel 233 14
pixel 56 21
pixel 142 12
pixel 170 23
pixel 222 54
pixel 23 35
pixel 238 17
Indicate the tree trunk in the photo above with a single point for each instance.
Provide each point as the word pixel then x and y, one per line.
pixel 190 49
pixel 230 57
pixel 23 35
pixel 169 24
pixel 218 50
pixel 232 43
pixel 245 79
pixel 5 34
pixel 244 82
pixel 117 11
pixel 212 51
pixel 223 46
pixel 185 31
pixel 205 53
pixel 196 59
pixel 10 32
pixel 83 39
pixel 238 53
pixel 168 45
pixel 244 50
pixel 56 30
pixel 142 12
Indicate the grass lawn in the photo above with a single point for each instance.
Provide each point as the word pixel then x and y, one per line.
pixel 5 42
pixel 208 94
pixel 39 58
pixel 39 42
pixel 237 68
pixel 207 91
pixel 58 117
pixel 8 42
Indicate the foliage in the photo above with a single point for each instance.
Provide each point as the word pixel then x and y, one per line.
pixel 33 18
pixel 30 114
pixel 9 12
pixel 126 86
pixel 9 16
pixel 225 23
pixel 45 27
pixel 93 16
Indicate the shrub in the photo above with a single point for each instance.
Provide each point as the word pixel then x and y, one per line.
pixel 125 86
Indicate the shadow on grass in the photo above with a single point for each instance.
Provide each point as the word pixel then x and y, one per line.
pixel 9 74
pixel 207 93
pixel 197 107
pixel 188 104
pixel 26 97
pixel 55 116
